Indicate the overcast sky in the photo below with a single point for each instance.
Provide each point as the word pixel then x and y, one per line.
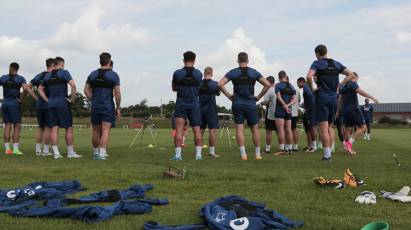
pixel 147 38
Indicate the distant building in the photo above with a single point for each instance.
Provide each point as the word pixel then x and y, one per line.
pixel 394 111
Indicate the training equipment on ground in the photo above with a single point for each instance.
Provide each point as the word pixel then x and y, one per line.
pixel 366 197
pixel 234 212
pixel 225 128
pixel 401 195
pixel 396 160
pixel 48 199
pixel 282 153
pixel 205 146
pixel 352 180
pixel 147 124
pixel 150 146
pixel 334 183
pixel 175 173
pixel 380 225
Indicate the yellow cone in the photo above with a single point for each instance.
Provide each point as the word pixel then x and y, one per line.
pixel 205 146
pixel 150 146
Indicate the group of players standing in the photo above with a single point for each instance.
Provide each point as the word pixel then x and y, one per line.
pixel 196 102
pixel 325 102
pixel 53 106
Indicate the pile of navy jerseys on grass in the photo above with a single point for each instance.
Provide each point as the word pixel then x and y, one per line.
pixel 49 199
pixel 237 213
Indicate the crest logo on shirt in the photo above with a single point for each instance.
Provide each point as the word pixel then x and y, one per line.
pixel 240 223
pixel 11 194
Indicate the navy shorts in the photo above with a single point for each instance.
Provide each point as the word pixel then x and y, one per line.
pixel 11 114
pixel 306 123
pixel 309 116
pixel 325 107
pixel 192 114
pixel 245 112
pixel 309 119
pixel 209 119
pixel 98 118
pixel 282 114
pixel 367 121
pixel 43 117
pixel 270 124
pixel 60 116
pixel 355 118
pixel 294 121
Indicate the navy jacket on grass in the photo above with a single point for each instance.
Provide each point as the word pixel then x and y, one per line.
pixel 234 212
pixel 39 191
pixel 48 199
pixel 92 213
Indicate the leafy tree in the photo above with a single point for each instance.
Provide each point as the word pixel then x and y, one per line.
pixel 28 106
pixel 81 106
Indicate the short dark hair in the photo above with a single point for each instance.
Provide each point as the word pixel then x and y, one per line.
pixel 49 62
pixel 189 56
pixel 321 50
pixel 271 79
pixel 58 60
pixel 282 74
pixel 14 66
pixel 355 74
pixel 105 59
pixel 111 63
pixel 301 79
pixel 242 57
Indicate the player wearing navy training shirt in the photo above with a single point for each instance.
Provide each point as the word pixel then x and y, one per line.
pixel 102 85
pixel 186 82
pixel 310 124
pixel 326 72
pixel 43 132
pixel 208 108
pixel 11 106
pixel 351 112
pixel 244 101
pixel 367 111
pixel 286 97
pixel 53 90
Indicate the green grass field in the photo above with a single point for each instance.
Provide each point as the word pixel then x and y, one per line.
pixel 284 184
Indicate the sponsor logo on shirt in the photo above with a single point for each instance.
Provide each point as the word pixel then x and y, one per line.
pixel 240 223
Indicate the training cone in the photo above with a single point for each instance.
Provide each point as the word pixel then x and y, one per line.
pixel 150 146
pixel 376 226
pixel 205 146
pixel 233 137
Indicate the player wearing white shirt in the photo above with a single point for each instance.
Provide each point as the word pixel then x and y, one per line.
pixel 269 100
pixel 294 120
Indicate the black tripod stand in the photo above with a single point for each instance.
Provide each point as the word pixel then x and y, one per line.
pixel 142 131
pixel 225 128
